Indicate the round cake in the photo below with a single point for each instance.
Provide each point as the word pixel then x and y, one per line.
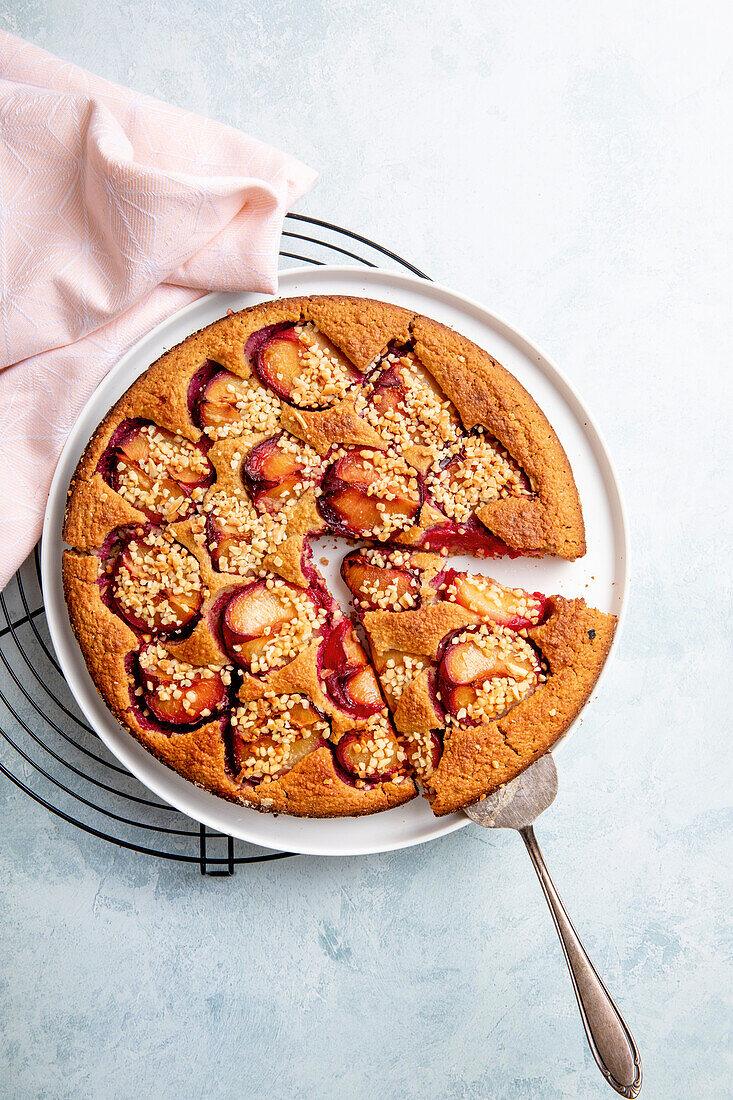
pixel 206 625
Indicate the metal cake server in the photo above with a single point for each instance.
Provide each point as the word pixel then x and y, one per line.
pixel 516 806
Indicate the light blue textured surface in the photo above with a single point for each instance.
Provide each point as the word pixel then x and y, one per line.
pixel 566 164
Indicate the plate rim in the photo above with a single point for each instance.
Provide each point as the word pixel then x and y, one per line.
pixel 52 547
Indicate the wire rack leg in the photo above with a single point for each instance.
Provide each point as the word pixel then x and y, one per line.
pixel 214 868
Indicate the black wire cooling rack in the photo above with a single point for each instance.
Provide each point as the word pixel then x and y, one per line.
pixel 46 747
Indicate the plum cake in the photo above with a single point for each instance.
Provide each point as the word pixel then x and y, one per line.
pixel 208 629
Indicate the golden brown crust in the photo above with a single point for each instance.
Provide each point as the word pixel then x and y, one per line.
pixel 93 511
pixel 314 788
pixel 419 631
pixel 331 427
pixel 104 638
pixel 482 392
pixel 416 710
pixel 487 394
pixel 360 327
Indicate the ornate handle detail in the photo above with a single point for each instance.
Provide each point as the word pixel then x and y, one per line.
pixel 610 1040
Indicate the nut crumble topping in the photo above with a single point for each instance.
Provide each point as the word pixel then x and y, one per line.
pixel 162 569
pixel 477 472
pixel 259 410
pixel 326 376
pixel 423 417
pixel 167 457
pixel 498 694
pixel 251 534
pixel 272 727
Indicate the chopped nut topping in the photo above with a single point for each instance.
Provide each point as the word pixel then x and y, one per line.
pixel 520 673
pixel 158 658
pixel 248 535
pixel 155 578
pixel 259 409
pixel 173 680
pixel 477 472
pixel 422 416
pixel 388 596
pixel 160 459
pixel 398 673
pixel 420 752
pixel 277 731
pixel 304 620
pixel 390 478
pixel 376 750
pixel 279 470
pixel 386 559
pixel 325 376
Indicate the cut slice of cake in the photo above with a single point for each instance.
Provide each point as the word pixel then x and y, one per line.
pixel 481 678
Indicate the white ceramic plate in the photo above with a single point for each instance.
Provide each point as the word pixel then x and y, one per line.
pixel 601 576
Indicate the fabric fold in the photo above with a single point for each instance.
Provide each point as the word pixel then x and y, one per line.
pixel 116 211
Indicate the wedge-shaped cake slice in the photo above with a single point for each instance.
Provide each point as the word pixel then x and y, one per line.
pixel 481 679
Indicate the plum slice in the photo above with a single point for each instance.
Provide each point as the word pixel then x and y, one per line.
pixel 341 647
pixel 355 690
pixel 509 607
pixel 403 402
pixel 162 474
pixel 270 736
pixel 301 366
pixel 222 404
pixel 475 471
pixel 349 679
pixel 280 469
pixel 238 537
pixel 371 755
pixel 470 537
pixel 359 689
pixel 177 693
pixel 484 671
pixel 266 624
pixel 370 494
pixel 156 584
pixel 380 581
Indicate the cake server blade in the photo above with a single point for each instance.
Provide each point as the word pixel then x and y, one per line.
pixel 517 805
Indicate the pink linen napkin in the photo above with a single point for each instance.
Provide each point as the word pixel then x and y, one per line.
pixel 115 211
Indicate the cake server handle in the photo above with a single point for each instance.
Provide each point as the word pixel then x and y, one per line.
pixel 611 1043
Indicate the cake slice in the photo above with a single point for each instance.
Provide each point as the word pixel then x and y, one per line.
pixel 481 678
